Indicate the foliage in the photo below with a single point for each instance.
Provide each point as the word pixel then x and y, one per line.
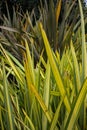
pixel 42 89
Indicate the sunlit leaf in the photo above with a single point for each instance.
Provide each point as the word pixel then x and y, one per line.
pixel 73 116
pixel 11 64
pixel 55 70
pixel 58 10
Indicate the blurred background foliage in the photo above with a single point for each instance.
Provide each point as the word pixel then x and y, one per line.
pixel 45 11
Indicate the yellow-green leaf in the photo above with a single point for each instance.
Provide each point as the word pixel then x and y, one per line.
pixel 55 70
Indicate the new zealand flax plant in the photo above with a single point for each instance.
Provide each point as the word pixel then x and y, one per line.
pixel 50 95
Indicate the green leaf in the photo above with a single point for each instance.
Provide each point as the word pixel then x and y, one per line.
pixel 76 68
pixel 46 95
pixel 56 115
pixel 84 58
pixel 30 63
pixel 55 70
pixel 8 105
pixel 73 116
pixel 41 102
pixel 11 63
pixel 58 10
pixel 30 122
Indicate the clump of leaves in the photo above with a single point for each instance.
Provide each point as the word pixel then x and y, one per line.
pixel 50 95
